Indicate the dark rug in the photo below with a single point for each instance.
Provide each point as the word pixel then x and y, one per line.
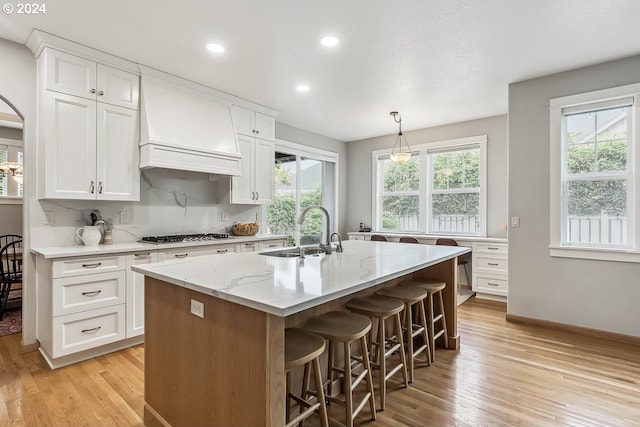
pixel 11 322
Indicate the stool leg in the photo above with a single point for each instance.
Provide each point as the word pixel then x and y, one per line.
pixel 348 386
pixel 403 356
pixel 409 339
pixel 444 321
pixel 288 386
pixel 330 363
pixel 382 361
pixel 324 419
pixel 305 387
pixel 368 379
pixel 430 317
pixel 425 332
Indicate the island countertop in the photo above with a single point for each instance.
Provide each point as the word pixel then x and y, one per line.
pixel 285 286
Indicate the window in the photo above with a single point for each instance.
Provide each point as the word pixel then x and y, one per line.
pixel 440 190
pixel 594 149
pixel 11 180
pixel 303 177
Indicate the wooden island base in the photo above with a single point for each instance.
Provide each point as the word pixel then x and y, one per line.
pixel 227 369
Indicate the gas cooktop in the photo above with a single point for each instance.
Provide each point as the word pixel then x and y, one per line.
pixel 177 238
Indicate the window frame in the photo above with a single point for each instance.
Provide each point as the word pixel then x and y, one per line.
pixel 559 108
pixel 15 153
pixel 423 151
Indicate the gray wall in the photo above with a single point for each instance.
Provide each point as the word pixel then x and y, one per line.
pixel 299 136
pixel 361 193
pixel 594 294
pixel 11 219
pixel 18 86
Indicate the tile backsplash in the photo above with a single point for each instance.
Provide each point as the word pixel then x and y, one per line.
pixel 171 202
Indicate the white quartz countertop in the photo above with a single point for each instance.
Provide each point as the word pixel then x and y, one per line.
pixel 284 286
pixel 79 250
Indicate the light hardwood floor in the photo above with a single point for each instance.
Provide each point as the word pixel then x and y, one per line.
pixel 504 375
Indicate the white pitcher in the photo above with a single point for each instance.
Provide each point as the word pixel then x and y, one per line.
pixel 89 234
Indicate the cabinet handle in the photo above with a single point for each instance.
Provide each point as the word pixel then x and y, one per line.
pixel 273 245
pixel 97 328
pixel 257 131
pixel 91 293
pixel 493 263
pixel 181 255
pixel 94 265
pixel 142 256
pixel 100 187
pixel 253 130
pixel 223 251
pixel 92 90
pixel 493 284
pixel 93 187
pixel 101 93
pixel 249 244
pixel 257 195
pixel 493 249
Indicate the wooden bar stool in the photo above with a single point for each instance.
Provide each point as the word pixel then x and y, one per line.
pixel 380 309
pixel 434 289
pixel 302 348
pixel 378 238
pixel 410 297
pixel 342 327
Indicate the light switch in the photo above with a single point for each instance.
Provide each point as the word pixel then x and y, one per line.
pixel 515 221
pixel 124 217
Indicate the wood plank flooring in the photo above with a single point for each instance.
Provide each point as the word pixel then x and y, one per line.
pixel 504 375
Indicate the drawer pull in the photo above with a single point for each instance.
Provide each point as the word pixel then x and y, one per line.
pixel 94 265
pixel 493 249
pixel 141 256
pixel 91 293
pixel 493 284
pixel 181 255
pixel 87 331
pixel 493 263
pixel 273 245
pixel 249 244
pixel 223 251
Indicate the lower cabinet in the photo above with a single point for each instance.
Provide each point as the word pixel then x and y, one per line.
pixel 135 292
pixel 490 270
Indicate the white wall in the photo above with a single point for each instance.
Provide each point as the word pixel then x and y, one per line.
pixel 361 193
pixel 595 294
pixel 18 86
pixel 292 134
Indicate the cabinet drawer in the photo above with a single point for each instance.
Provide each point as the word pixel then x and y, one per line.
pixel 86 330
pixel 493 248
pixel 80 266
pixel 491 264
pixel 273 245
pixel 491 285
pixel 81 293
pixel 356 237
pixel 191 252
pixel 248 247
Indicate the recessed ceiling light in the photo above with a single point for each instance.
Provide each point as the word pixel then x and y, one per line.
pixel 329 41
pixel 215 48
pixel 303 88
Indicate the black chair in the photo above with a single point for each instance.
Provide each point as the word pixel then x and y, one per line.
pixel 10 273
pixel 5 239
pixel 407 239
pixel 378 238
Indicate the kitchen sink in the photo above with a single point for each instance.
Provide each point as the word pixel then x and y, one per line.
pixel 294 252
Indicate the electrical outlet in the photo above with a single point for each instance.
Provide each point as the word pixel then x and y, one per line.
pixel 197 308
pixel 515 221
pixel 49 217
pixel 224 216
pixel 124 217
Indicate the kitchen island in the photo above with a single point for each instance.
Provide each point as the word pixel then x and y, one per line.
pixel 224 365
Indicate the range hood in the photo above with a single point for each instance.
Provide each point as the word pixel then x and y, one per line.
pixel 186 126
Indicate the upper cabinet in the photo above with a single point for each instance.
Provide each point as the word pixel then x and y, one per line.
pixel 89 130
pixel 256 136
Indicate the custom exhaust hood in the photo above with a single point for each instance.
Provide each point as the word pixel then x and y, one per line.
pixel 186 126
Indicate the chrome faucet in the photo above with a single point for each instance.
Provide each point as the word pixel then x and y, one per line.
pixel 339 247
pixel 327 245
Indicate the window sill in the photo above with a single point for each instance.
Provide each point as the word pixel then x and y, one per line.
pixel 10 200
pixel 619 255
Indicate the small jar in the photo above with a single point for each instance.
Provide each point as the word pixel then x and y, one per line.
pixel 107 239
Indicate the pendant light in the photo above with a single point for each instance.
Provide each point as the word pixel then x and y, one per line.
pixel 398 155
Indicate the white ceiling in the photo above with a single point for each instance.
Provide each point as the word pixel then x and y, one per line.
pixel 436 61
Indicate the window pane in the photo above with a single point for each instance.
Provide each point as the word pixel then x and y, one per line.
pixel 456 169
pixel 311 194
pixel 3 177
pixel 401 177
pixel 281 214
pixel 455 213
pixel 401 213
pixel 597 212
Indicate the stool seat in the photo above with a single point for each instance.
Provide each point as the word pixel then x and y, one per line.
pixel 373 306
pixel 405 293
pixel 432 285
pixel 339 326
pixel 301 347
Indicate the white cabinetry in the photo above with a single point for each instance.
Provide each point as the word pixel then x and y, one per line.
pixel 135 292
pixel 490 270
pixel 178 253
pixel 89 132
pixel 258 246
pixel 256 136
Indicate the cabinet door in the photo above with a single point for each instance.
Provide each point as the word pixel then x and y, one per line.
pixel 264 157
pixel 70 130
pixel 265 127
pixel 242 191
pixel 243 120
pixel 135 293
pixel 117 175
pixel 70 74
pixel 117 87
